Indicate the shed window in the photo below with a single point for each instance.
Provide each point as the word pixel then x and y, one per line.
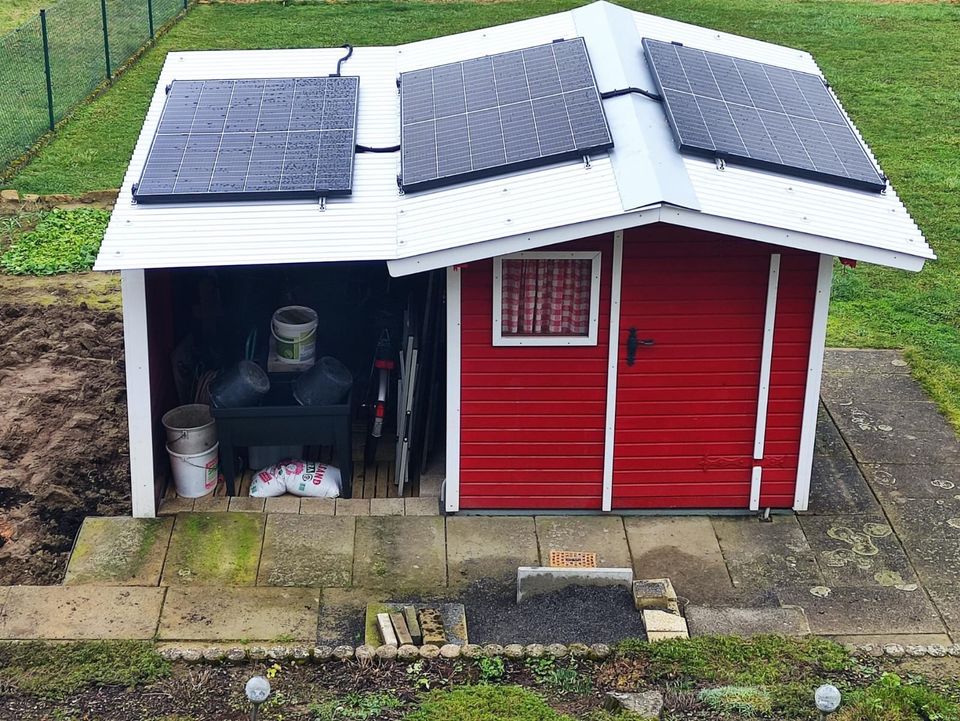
pixel 546 298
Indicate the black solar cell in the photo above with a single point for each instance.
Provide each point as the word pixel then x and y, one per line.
pixel 252 139
pixel 498 113
pixel 758 114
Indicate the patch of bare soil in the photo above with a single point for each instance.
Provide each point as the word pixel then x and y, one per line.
pixel 63 438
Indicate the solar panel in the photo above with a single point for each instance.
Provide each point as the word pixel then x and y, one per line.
pixel 758 114
pixel 252 139
pixel 498 113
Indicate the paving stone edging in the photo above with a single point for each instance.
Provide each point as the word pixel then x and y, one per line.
pixel 367 653
pixel 896 650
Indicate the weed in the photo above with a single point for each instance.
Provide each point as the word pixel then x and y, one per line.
pixel 892 699
pixel 561 677
pixel 63 241
pixel 417 676
pixel 743 700
pixel 485 703
pixel 273 671
pixel 57 670
pixel 356 706
pixel 492 669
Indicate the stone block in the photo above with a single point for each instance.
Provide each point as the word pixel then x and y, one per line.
pixel 532 581
pixel 655 593
pixel 318 506
pixel 431 627
pixel 661 625
pixel 729 621
pixel 9 196
pixel 386 507
pixel 353 507
pixel 246 504
pixel 421 506
pixel 282 504
pixel 642 706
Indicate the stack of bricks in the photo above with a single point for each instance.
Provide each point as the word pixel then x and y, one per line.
pixel 657 602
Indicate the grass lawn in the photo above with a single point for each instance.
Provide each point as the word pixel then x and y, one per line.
pixel 15 12
pixel 896 66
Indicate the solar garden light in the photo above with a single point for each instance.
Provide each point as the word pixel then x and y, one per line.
pixel 827 698
pixel 258 688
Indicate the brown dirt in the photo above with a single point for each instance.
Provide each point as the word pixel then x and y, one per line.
pixel 63 440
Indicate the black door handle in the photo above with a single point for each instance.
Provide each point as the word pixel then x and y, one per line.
pixel 633 343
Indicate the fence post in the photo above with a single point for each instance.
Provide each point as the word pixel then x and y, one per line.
pixel 185 4
pixel 150 16
pixel 46 67
pixel 106 36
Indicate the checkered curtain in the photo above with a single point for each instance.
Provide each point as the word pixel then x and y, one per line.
pixel 546 296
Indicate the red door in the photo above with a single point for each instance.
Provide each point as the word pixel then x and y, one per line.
pixel 690 342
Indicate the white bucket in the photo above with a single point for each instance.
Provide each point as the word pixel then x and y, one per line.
pixel 295 329
pixel 190 428
pixel 195 474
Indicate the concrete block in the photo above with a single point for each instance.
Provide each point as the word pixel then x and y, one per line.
pixel 246 504
pixel 9 196
pixel 386 507
pixel 353 506
pixel 662 625
pixel 422 506
pixel 282 504
pixel 534 580
pixel 318 506
pixel 728 621
pixel 655 593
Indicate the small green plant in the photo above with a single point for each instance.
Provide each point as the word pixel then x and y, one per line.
pixel 64 241
pixel 743 700
pixel 541 669
pixel 893 699
pixel 417 676
pixel 485 703
pixel 492 669
pixel 356 706
pixel 561 677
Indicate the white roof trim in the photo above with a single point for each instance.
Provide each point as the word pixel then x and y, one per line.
pixel 516 211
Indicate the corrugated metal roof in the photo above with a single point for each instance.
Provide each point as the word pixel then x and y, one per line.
pixel 516 210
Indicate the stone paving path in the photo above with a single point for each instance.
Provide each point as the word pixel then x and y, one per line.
pixel 876 557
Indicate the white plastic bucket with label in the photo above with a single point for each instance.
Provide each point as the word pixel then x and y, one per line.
pixel 294 328
pixel 195 474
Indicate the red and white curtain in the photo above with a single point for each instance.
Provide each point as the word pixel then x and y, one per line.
pixel 545 296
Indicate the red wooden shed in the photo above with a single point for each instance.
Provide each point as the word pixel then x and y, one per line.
pixel 638 329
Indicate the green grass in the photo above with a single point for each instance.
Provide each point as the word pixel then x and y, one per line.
pixel 485 703
pixel 896 66
pixel 746 701
pixel 63 241
pixel 57 670
pixel 891 699
pixel 15 12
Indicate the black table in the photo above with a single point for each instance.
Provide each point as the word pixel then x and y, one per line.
pixel 286 425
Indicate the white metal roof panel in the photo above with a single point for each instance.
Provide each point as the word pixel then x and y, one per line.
pixel 418 230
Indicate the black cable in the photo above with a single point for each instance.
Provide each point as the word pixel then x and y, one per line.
pixel 628 91
pixel 368 149
pixel 342 60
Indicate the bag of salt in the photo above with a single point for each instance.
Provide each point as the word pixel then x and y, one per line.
pixel 317 480
pixel 268 482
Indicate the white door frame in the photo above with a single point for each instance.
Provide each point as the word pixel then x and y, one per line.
pixel 451 485
pixel 763 394
pixel 136 351
pixel 613 356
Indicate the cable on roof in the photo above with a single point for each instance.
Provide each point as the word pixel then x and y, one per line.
pixel 368 149
pixel 628 91
pixel 342 60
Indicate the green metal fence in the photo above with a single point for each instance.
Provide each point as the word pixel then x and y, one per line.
pixel 51 63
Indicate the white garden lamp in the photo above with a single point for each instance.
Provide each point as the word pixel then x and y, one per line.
pixel 257 689
pixel 827 698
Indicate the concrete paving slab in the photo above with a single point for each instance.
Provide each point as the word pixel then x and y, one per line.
pixel 120 551
pixel 857 611
pixel 403 553
pixel 65 613
pixel 173 506
pixel 838 486
pixel 828 439
pixel 683 549
pixel 307 551
pixel 857 551
pixel 848 387
pixel 766 556
pixel 732 621
pixel 342 614
pixel 246 504
pixel 489 547
pixel 281 504
pixel 889 432
pixel 386 507
pixel 353 507
pixel 214 549
pixel 603 535
pixel 422 506
pixel 234 614
pixel 937 481
pixel 211 504
pixel 860 361
pixel 936 559
pixel 918 518
pixel 318 506
pixel 947 600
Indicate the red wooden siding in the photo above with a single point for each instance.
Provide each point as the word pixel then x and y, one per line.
pixel 532 418
pixel 686 409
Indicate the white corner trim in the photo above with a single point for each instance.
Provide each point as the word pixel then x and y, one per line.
pixel 811 398
pixel 547 340
pixel 452 482
pixel 139 410
pixel 612 369
pixel 755 478
pixel 766 356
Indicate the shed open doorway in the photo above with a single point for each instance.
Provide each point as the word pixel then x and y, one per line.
pixel 387 332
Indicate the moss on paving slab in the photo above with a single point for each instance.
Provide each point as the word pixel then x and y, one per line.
pixel 214 549
pixel 119 551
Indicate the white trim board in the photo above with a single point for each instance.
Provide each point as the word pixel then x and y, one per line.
pixel 452 482
pixel 811 398
pixel 766 356
pixel 612 370
pixel 136 353
pixel 547 340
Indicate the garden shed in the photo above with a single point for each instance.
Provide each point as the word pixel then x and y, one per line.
pixel 628 226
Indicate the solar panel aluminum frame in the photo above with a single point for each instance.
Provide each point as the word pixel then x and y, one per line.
pixel 499 170
pixel 757 163
pixel 254 195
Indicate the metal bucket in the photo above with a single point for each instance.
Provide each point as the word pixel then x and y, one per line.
pixel 190 428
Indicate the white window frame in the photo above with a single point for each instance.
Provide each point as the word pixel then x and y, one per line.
pixel 547 340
